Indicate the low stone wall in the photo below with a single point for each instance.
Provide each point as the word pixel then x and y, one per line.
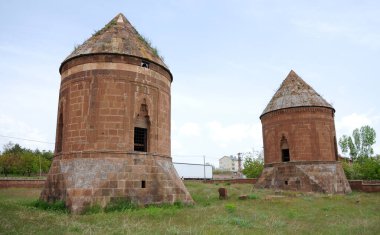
pixel 21 183
pixel 369 186
pixel 232 181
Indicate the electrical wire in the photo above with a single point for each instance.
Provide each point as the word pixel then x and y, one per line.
pixel 18 138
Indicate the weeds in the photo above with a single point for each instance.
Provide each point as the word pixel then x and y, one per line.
pixel 107 26
pixel 239 222
pixel 253 196
pixel 233 220
pixel 304 214
pixel 125 205
pixel 120 205
pixel 94 209
pixel 230 208
pixel 58 206
pixel 148 43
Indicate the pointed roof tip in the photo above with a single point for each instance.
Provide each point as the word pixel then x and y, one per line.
pixel 295 92
pixel 120 18
pixel 292 73
pixel 118 37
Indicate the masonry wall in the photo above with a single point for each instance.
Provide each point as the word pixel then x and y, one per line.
pixel 95 162
pixel 309 131
pixel 100 98
pixel 98 178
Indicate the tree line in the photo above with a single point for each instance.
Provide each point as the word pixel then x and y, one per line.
pixel 16 160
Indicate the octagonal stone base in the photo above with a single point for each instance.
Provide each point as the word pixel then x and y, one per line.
pixel 86 179
pixel 323 177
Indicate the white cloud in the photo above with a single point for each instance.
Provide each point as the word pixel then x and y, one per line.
pixel 190 129
pixel 238 132
pixel 352 121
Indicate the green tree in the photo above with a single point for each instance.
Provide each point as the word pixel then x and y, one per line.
pixel 18 160
pixel 253 166
pixel 29 163
pixel 8 164
pixel 366 169
pixel 14 149
pixel 360 144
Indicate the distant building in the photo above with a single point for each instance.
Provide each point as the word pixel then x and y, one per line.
pixel 229 163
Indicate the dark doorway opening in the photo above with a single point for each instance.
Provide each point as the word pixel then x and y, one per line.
pixel 285 150
pixel 285 155
pixel 143 184
pixel 140 139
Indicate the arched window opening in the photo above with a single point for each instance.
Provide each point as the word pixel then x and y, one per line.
pixel 59 134
pixel 285 150
pixel 141 130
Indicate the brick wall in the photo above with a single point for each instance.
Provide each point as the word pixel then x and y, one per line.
pixel 368 186
pixel 22 183
pixel 309 131
pixel 100 98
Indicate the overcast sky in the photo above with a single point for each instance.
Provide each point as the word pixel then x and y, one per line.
pixel 227 57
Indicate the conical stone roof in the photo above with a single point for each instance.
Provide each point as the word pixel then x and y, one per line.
pixel 118 37
pixel 295 92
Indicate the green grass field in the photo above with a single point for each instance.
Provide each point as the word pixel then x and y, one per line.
pixel 263 213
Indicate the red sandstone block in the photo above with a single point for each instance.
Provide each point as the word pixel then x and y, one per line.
pixel 113 184
pixel 118 192
pixel 106 192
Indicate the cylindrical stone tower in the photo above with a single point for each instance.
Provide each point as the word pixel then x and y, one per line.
pixel 113 127
pixel 300 150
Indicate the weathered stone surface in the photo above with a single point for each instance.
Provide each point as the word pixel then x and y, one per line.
pixel 118 37
pixel 300 149
pixel 86 181
pixel 323 177
pixel 243 197
pixel 295 92
pixel 111 86
pixel 223 193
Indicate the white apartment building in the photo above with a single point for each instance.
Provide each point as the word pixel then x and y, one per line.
pixel 229 163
